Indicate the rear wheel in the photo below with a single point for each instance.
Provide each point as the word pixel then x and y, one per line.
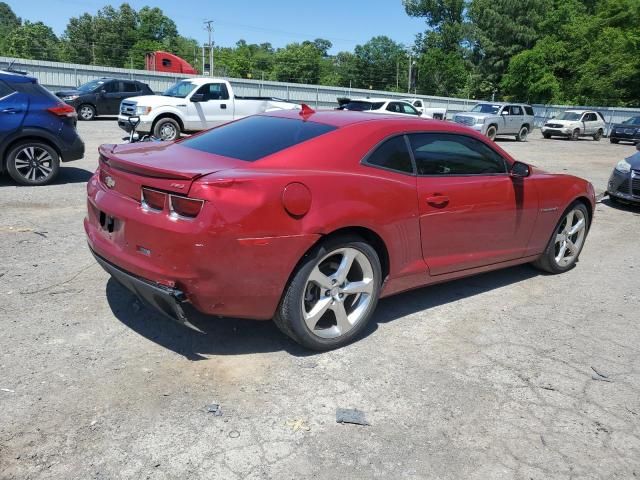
pixel 522 135
pixel 332 295
pixel 598 135
pixel 33 163
pixel 613 140
pixel 567 241
pixel 86 112
pixel 575 135
pixel 492 131
pixel 166 129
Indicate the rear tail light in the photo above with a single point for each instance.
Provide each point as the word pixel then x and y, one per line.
pixel 63 110
pixel 184 207
pixel 153 199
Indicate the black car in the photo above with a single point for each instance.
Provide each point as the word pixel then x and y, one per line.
pixel 37 131
pixel 102 96
pixel 628 131
pixel 624 183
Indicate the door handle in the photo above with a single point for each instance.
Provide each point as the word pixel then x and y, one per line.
pixel 438 201
pixel 223 106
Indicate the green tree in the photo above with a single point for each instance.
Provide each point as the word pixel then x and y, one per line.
pixel 298 63
pixel 9 22
pixel 34 40
pixel 378 63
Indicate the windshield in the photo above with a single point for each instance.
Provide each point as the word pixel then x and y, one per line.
pixel 360 106
pixel 179 90
pixel 486 108
pixel 632 121
pixel 90 86
pixel 569 116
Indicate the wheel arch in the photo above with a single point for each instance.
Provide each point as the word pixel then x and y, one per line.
pixel 585 201
pixel 167 115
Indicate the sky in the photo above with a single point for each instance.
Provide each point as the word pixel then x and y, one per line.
pixel 346 23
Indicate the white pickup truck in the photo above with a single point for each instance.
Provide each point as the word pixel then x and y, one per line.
pixel 192 105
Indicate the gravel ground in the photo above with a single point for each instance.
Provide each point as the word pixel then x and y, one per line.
pixel 491 377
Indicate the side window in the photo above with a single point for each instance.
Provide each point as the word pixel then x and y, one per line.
pixel 394 107
pixel 5 90
pixel 406 108
pixel 214 91
pixel 418 104
pixel 451 154
pixel 392 154
pixel 129 87
pixel 593 117
pixel 110 87
pixel 529 110
pixel 166 63
pixel 516 110
pixel 506 110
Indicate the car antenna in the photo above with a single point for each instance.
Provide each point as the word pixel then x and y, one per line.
pixel 306 110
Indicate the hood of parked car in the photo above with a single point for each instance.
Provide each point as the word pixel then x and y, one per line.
pixel 476 115
pixel 561 123
pixel 626 125
pixel 634 161
pixel 68 93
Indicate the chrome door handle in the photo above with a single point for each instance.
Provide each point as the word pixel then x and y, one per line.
pixel 438 201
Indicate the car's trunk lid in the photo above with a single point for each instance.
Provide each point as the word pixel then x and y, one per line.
pixel 160 165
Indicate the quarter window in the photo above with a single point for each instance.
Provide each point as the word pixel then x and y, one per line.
pixel 451 154
pixel 392 154
pixel 516 110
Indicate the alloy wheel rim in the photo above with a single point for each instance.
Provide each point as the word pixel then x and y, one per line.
pixel 570 238
pixel 86 113
pixel 34 164
pixel 167 132
pixel 338 293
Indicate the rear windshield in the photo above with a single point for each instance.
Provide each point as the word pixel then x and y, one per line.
pixel 253 138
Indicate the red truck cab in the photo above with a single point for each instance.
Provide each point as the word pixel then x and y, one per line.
pixel 168 62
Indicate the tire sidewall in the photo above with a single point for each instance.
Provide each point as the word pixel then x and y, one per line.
pixel 523 134
pixel 495 132
pixel 575 136
pixel 157 129
pixel 291 305
pixel 17 177
pixel 598 136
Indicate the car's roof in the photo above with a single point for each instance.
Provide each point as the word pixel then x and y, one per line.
pixel 16 77
pixel 502 103
pixel 378 100
pixel 343 118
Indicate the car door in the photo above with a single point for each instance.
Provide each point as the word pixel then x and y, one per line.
pixel 505 120
pixel 516 118
pixel 472 212
pixel 110 97
pixel 13 108
pixel 591 123
pixel 211 108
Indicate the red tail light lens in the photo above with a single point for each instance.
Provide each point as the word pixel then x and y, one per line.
pixel 185 207
pixel 63 110
pixel 153 199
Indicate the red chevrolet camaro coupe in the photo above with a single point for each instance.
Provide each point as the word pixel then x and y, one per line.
pixel 309 217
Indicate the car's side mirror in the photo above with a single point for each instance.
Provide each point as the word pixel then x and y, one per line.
pixel 520 170
pixel 504 112
pixel 197 97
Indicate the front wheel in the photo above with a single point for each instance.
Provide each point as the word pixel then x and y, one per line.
pixel 522 135
pixel 575 135
pixel 567 241
pixel 598 135
pixel 166 129
pixel 332 295
pixel 86 112
pixel 546 135
pixel 613 140
pixel 492 131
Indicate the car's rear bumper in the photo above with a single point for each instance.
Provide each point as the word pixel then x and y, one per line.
pixel 164 299
pixel 72 151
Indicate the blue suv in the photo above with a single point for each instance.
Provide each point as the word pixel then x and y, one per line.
pixel 37 131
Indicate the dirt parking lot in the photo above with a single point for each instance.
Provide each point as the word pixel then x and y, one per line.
pixel 491 377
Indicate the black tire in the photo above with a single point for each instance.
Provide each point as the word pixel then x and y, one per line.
pixel 86 112
pixel 598 136
pixel 575 135
pixel 546 135
pixel 492 131
pixel 289 316
pixel 166 129
pixel 613 140
pixel 547 261
pixel 522 134
pixel 33 163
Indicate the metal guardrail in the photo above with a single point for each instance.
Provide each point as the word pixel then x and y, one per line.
pixel 57 75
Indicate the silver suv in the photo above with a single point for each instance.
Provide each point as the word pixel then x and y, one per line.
pixel 492 119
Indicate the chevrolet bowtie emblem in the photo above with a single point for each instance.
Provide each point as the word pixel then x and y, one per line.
pixel 109 182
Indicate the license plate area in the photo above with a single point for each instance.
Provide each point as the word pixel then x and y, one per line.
pixel 107 222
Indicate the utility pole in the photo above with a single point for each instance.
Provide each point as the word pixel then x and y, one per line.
pixel 398 74
pixel 203 46
pixel 93 53
pixel 410 72
pixel 209 29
